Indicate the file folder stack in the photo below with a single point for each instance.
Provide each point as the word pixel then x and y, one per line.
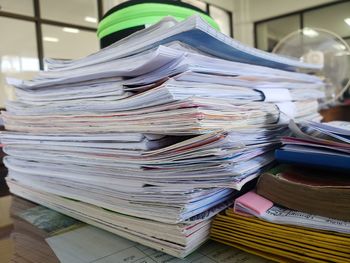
pixel 152 136
pixel 280 243
pixel 280 234
pixel 318 155
pixel 300 211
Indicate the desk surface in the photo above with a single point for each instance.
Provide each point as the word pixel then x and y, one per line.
pixel 20 242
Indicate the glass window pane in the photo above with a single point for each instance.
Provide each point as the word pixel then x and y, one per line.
pixel 79 12
pixel 18 52
pixel 271 32
pixel 222 18
pixel 331 18
pixel 196 3
pixel 23 7
pixel 68 43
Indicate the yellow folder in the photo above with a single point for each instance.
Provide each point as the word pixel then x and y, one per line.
pixel 281 243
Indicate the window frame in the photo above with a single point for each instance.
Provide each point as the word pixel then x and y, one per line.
pixel 300 13
pixel 39 21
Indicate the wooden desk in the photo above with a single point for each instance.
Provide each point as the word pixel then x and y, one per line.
pixel 21 242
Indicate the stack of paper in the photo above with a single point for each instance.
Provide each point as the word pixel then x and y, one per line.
pixel 180 91
pixel 154 135
pixel 281 234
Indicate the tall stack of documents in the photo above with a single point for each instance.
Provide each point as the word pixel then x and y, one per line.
pixel 154 135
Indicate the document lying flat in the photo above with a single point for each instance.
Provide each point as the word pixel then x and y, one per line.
pixel 256 205
pixel 112 248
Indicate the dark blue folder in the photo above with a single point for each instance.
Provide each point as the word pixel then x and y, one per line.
pixel 319 160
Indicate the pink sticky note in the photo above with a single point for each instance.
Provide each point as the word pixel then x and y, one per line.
pixel 251 204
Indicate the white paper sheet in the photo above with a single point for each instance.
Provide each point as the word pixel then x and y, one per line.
pixel 92 245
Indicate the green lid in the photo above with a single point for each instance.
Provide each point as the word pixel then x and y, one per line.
pixel 145 14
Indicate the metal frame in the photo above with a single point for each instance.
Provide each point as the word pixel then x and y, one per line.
pixel 100 9
pixel 39 21
pixel 301 17
pixel 230 15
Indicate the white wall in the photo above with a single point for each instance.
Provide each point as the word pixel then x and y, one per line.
pixel 246 12
pixel 226 4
